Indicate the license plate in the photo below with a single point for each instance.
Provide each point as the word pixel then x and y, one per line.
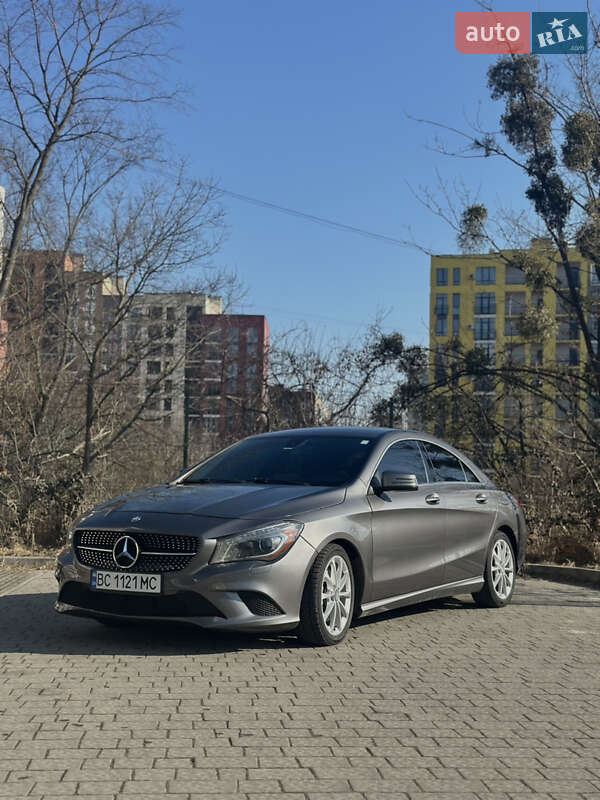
pixel 125 582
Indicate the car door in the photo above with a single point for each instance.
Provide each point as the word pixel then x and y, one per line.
pixel 470 513
pixel 408 527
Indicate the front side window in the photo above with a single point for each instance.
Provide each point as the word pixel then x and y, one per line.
pixel 445 467
pixel 404 457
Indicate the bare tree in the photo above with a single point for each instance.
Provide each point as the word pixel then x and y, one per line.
pixel 314 382
pixel 75 76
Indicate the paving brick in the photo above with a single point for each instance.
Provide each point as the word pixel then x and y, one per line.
pixel 439 703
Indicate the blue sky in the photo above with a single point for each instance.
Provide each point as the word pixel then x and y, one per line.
pixel 305 105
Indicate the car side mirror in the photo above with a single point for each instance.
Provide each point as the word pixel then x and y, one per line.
pixel 398 482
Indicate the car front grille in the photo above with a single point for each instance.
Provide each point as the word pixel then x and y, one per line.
pixel 159 552
pixel 183 604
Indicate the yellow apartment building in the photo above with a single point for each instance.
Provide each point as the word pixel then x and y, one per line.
pixel 479 301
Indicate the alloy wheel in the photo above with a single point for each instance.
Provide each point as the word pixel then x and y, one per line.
pixel 336 595
pixel 503 569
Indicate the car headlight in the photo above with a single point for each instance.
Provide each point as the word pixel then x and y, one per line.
pixel 264 544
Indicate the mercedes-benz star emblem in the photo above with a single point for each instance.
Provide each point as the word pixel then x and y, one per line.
pixel 126 552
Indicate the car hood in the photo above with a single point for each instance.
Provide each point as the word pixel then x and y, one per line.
pixel 239 501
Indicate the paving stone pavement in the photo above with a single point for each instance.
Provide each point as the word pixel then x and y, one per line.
pixel 442 701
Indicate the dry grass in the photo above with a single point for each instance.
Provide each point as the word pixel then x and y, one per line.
pixel 574 550
pixel 17 548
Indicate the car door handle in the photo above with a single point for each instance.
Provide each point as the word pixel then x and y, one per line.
pixel 433 499
pixel 481 498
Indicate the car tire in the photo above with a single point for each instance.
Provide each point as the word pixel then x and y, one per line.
pixel 500 574
pixel 328 599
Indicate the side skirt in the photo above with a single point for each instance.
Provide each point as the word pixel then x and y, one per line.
pixel 447 590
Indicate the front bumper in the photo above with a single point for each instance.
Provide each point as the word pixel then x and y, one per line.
pixel 227 591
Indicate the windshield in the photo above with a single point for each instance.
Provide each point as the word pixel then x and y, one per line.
pixel 295 459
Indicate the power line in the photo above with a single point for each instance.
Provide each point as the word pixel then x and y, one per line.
pixel 313 218
pixel 302 314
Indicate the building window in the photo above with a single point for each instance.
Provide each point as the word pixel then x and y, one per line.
pixel 441 305
pixel 514 303
pixel 568 330
pixel 233 338
pixel 133 332
pixel 170 314
pixel 573 356
pixel 153 367
pixel 252 340
pixel 441 277
pixel 455 314
pixel 565 408
pixel 485 276
pixel 155 312
pixel 251 382
pixel 516 353
pixel 485 328
pixel 512 407
pixel 167 404
pixel 488 349
pixel 567 355
pixel 231 377
pixel 514 275
pixel 563 304
pixel 213 388
pixel 537 355
pixel 169 352
pixel 456 276
pixel 211 423
pixel 441 375
pixel 485 303
pixel 441 315
pixel 572 269
pixel 483 384
pixel 511 326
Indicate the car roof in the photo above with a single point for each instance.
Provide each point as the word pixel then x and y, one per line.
pixel 372 432
pixel 332 430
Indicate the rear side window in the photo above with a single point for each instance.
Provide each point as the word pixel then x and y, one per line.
pixel 403 457
pixel 444 466
pixel 469 474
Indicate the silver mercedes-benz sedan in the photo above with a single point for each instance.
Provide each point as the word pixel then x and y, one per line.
pixel 298 530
